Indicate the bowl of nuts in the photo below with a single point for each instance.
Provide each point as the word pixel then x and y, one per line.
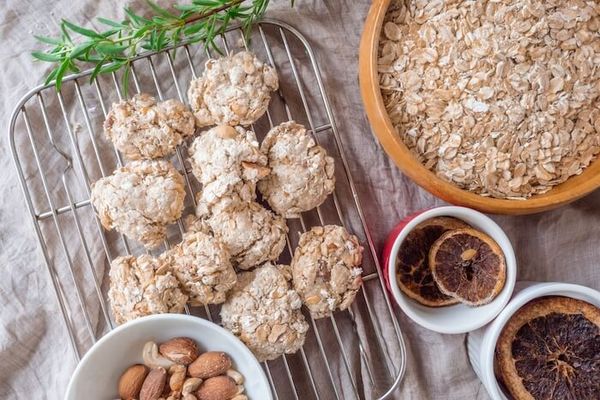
pixel 488 105
pixel 169 356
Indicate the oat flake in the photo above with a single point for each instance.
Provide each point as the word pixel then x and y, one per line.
pixel 516 80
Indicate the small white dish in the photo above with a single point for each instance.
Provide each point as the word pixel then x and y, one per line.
pixel 457 318
pixel 481 344
pixel 97 375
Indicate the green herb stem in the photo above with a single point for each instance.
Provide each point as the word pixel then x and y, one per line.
pixel 113 49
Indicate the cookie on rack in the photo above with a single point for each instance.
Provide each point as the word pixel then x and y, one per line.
pixel 302 174
pixel 251 233
pixel 264 312
pixel 140 200
pixel 201 264
pixel 141 286
pixel 326 269
pixel 227 160
pixel 233 90
pixel 142 128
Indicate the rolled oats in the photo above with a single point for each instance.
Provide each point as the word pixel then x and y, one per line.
pixel 497 97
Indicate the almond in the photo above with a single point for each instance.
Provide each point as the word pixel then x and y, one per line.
pixel 154 384
pixel 217 388
pixel 210 364
pixel 181 350
pixel 131 381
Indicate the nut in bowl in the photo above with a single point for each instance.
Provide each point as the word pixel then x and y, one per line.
pixel 169 353
pixel 450 269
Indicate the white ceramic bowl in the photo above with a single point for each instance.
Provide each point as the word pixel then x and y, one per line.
pixel 481 344
pixel 457 318
pixel 98 372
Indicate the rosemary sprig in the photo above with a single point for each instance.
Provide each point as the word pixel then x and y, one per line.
pixel 115 47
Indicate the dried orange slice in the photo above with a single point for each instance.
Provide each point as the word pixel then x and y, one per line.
pixel 412 264
pixel 550 349
pixel 468 265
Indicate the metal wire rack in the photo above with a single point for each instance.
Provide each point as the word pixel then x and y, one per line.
pixel 59 150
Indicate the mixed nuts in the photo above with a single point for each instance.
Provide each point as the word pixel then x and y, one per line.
pixel 177 370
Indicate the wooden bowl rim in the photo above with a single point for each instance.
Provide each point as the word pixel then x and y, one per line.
pixel 580 185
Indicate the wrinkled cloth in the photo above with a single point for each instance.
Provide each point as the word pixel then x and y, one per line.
pixel 37 359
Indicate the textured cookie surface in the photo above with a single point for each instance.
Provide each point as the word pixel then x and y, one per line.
pixel 202 265
pixel 251 233
pixel 302 174
pixel 140 200
pixel 227 160
pixel 141 128
pixel 233 90
pixel 326 269
pixel 264 312
pixel 143 286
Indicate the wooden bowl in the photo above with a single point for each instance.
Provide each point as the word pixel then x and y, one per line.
pixel 572 189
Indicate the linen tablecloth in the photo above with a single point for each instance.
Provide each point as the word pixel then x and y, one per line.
pixel 35 358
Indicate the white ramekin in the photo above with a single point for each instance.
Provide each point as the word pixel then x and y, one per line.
pixel 98 372
pixel 457 318
pixel 481 344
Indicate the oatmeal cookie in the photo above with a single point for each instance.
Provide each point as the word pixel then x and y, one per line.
pixel 326 269
pixel 302 174
pixel 202 265
pixel 140 200
pixel 233 90
pixel 251 233
pixel 141 128
pixel 227 160
pixel 264 312
pixel 142 286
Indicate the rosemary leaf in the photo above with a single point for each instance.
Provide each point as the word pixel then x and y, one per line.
pixel 81 30
pixel 108 50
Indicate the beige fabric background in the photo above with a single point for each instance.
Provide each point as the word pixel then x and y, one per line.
pixel 35 356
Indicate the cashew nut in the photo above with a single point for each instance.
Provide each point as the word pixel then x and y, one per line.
pixel 240 397
pixel 190 385
pixel 178 373
pixel 192 397
pixel 236 376
pixel 153 359
pixel 240 389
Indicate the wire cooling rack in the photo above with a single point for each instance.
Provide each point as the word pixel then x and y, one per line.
pixel 59 151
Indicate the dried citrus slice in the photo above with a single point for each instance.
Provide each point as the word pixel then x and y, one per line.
pixel 468 265
pixel 412 264
pixel 550 349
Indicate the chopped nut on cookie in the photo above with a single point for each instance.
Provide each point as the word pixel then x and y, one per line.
pixel 251 233
pixel 143 286
pixel 202 265
pixel 264 312
pixel 140 200
pixel 233 90
pixel 302 174
pixel 227 160
pixel 326 269
pixel 141 128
